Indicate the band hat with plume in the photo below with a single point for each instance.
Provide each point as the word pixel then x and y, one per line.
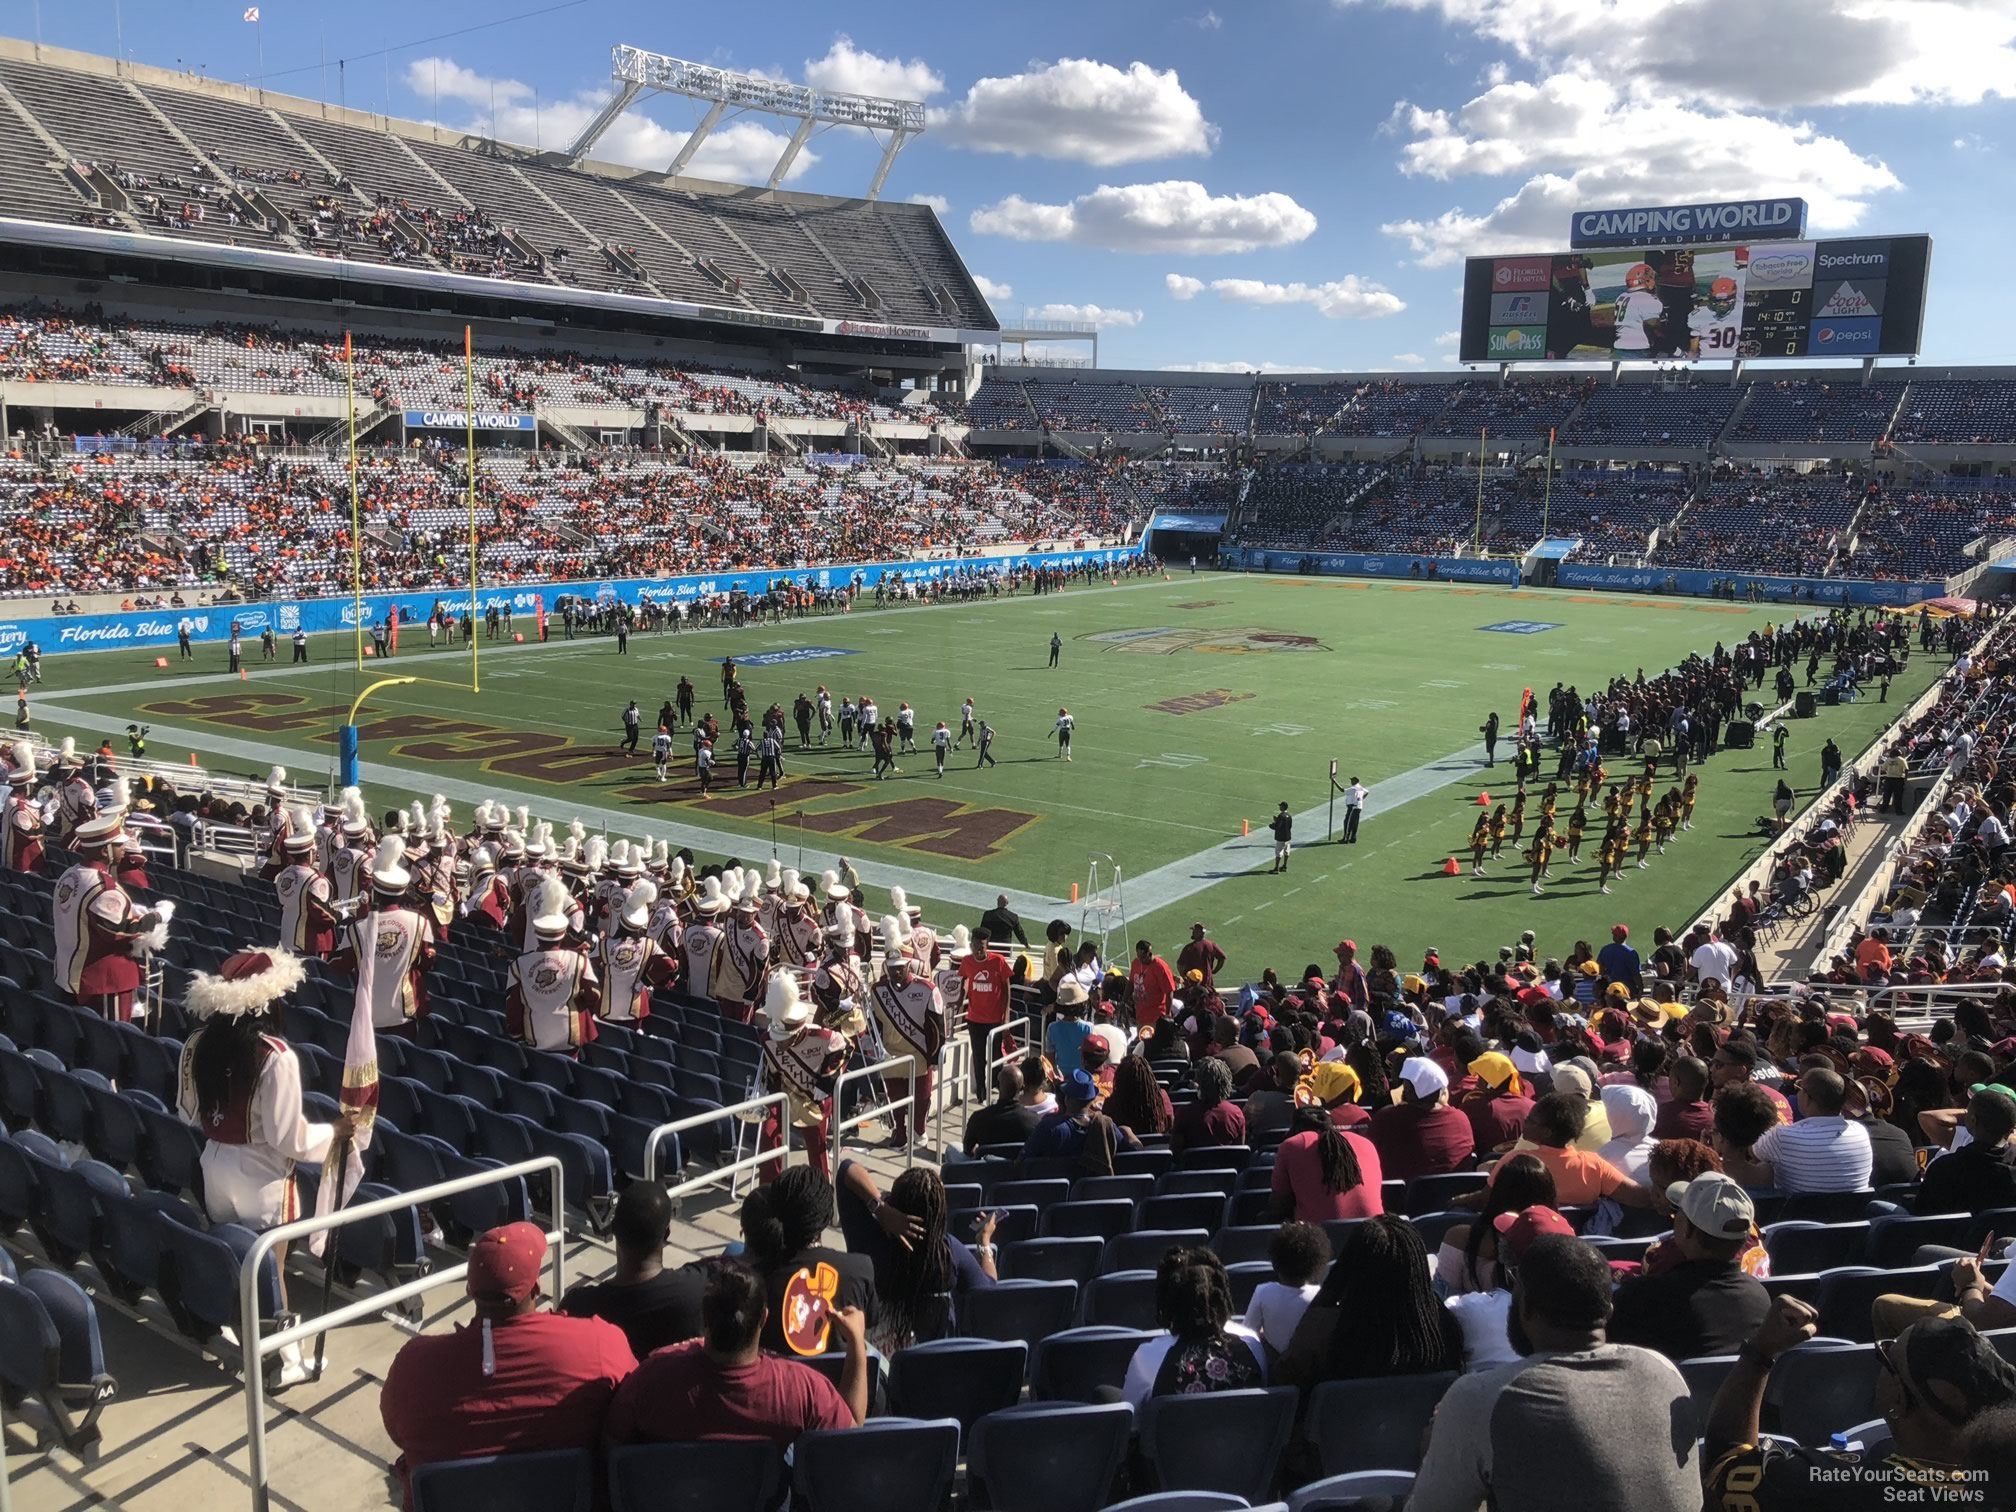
pixel 773 876
pixel 792 886
pixel 962 942
pixel 623 856
pixel 636 908
pixel 350 803
pixel 549 909
pixel 661 857
pixel 101 832
pixel 23 772
pixel 66 754
pixel 276 780
pixel 710 900
pixel 246 982
pixel 787 1011
pixel 830 884
pixel 892 936
pixel 300 834
pixel 752 884
pixel 388 871
pixel 514 845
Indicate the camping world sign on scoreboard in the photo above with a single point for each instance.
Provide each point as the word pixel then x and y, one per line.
pixel 1736 220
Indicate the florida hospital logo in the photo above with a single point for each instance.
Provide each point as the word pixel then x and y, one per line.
pixel 1167 640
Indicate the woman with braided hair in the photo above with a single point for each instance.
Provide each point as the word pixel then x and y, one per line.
pixel 1137 1100
pixel 921 1270
pixel 1193 1302
pixel 1323 1172
pixel 1377 1314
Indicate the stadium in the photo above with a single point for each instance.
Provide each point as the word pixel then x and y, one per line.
pixel 640 873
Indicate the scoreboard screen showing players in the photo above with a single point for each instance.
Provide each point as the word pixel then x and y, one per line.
pixel 1709 303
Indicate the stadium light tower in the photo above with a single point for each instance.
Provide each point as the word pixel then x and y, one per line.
pixel 638 72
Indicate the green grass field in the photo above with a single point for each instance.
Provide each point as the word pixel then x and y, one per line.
pixel 1201 702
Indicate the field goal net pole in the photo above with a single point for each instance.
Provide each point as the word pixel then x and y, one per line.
pixel 1330 811
pixel 1105 902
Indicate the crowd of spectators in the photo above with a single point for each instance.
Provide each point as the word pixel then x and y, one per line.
pixel 1770 522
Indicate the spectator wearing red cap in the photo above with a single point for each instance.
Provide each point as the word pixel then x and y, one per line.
pixel 1349 983
pixel 723 1386
pixel 1705 1304
pixel 1421 1135
pixel 1484 1314
pixel 515 1381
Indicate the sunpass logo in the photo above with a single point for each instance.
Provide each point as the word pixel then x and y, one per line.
pixel 1519 627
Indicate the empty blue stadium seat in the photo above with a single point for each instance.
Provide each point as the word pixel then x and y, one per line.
pixel 1025 1310
pixel 1048 1457
pixel 1122 1299
pixel 715 1476
pixel 52 1356
pixel 961 1378
pixel 1075 1365
pixel 884 1464
pixel 1373 1424
pixel 1144 1248
pixel 1219 1441
pixel 553 1480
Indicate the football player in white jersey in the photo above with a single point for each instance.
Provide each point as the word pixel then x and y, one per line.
pixel 1636 308
pixel 1716 326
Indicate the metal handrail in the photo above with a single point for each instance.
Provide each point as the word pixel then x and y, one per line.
pixel 256 1348
pixel 779 1100
pixel 841 1125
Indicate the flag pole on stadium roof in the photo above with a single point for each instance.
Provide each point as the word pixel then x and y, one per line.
pixel 1547 496
pixel 356 510
pixel 1477 533
pixel 469 415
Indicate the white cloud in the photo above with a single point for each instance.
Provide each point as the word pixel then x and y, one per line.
pixel 1771 54
pixel 996 293
pixel 1210 21
pixel 846 69
pixel 1099 315
pixel 1409 360
pixel 445 79
pixel 1181 286
pixel 1081 111
pixel 1235 367
pixel 1449 339
pixel 1174 216
pixel 1656 150
pixel 741 153
pixel 937 202
pixel 1346 298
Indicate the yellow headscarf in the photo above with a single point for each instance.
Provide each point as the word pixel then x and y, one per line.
pixel 1496 1070
pixel 1326 1083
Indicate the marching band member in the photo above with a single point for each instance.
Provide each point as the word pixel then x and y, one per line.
pixel 350 848
pixel 796 936
pixel 701 942
pixel 629 961
pixel 664 925
pixel 487 899
pixel 911 1016
pixel 840 989
pixel 101 938
pixel 838 911
pixel 76 799
pixel 802 1060
pixel 743 963
pixel 307 915
pixel 276 827
pixel 21 821
pixel 434 883
pixel 552 987
pixel 773 898
pixel 397 939
pixel 951 980
pixel 240 1084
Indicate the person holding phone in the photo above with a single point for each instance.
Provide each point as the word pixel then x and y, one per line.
pixel 922 1268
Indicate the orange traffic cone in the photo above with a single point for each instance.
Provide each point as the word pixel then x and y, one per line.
pixel 1074 892
pixel 1483 800
pixel 1451 869
pixel 161 663
pixel 192 758
pixel 1245 827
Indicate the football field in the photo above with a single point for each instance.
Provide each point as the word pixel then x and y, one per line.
pixel 1201 704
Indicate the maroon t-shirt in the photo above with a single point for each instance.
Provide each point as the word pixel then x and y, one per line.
pixel 1495 1120
pixel 1419 1139
pixel 1220 1124
pixel 550 1382
pixel 1688 1120
pixel 679 1395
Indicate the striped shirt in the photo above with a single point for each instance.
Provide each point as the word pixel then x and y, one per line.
pixel 1826 1154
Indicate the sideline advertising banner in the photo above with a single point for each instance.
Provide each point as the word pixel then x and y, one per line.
pixel 1697 582
pixel 1361 564
pixel 148 628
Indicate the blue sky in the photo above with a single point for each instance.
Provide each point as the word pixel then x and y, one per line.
pixel 1283 183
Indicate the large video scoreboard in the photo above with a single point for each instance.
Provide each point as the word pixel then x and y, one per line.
pixel 1705 301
